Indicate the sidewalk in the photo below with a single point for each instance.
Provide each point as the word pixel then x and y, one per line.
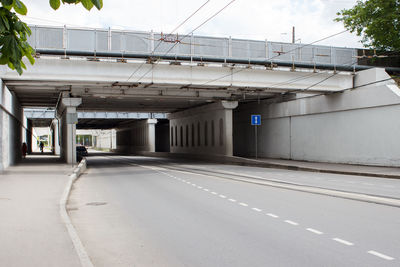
pixel 31 230
pixel 361 170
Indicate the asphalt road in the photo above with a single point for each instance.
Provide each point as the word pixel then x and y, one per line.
pixel 137 211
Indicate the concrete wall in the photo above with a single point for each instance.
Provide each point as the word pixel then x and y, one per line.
pixel 359 126
pixel 202 130
pixel 137 137
pixel 11 124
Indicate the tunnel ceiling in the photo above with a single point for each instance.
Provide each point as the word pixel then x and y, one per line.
pixel 127 96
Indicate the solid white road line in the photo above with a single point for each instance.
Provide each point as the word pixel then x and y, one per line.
pixel 291 222
pixel 314 231
pixel 272 215
pixel 380 255
pixel 256 209
pixel 232 200
pixel 344 242
pixel 243 204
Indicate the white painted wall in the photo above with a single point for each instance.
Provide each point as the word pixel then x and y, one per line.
pixel 359 126
pixel 10 128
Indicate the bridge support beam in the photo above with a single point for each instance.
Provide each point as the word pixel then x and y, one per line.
pixel 203 130
pixel 69 118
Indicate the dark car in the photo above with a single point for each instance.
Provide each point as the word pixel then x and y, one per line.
pixel 81 152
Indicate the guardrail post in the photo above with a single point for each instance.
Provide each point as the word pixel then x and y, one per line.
pixel 230 46
pixel 109 42
pixel 152 42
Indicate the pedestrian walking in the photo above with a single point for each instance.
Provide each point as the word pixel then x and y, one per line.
pixel 24 149
pixel 41 146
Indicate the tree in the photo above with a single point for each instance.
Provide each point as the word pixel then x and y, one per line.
pixel 14 32
pixel 377 21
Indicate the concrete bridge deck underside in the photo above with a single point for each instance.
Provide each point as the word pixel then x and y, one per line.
pixel 162 87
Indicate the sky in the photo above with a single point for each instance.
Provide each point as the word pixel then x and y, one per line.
pixel 270 20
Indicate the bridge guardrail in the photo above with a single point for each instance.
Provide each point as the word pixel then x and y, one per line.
pixel 107 40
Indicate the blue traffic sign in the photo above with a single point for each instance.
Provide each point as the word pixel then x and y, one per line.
pixel 255 119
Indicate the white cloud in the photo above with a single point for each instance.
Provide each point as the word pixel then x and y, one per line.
pixel 251 19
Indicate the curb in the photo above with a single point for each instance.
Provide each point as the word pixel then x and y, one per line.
pixel 79 248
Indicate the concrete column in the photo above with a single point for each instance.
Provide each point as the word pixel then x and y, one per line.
pixel 56 134
pixel 29 136
pixel 68 122
pixel 11 117
pixel 2 127
pixel 151 124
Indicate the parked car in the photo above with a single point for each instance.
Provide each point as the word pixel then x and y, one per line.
pixel 81 152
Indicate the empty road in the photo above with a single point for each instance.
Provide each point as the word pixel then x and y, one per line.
pixel 141 211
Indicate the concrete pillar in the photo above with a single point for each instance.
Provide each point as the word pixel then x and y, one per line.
pixel 69 118
pixel 11 117
pixel 2 127
pixel 203 130
pixel 151 124
pixel 29 136
pixel 56 134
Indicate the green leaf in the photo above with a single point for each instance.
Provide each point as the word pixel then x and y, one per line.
pixel 98 3
pixel 55 4
pixel 87 4
pixel 20 8
pixel 7 2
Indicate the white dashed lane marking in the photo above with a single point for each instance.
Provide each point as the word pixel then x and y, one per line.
pixel 344 242
pixel 314 231
pixel 380 255
pixel 291 222
pixel 341 241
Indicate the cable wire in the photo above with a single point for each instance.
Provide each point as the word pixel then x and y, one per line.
pixel 176 28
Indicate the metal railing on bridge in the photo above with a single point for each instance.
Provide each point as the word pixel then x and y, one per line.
pixel 103 40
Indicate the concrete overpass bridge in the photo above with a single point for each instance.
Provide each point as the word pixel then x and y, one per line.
pixel 200 81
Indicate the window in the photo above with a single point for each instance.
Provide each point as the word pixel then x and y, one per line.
pixel 221 132
pixel 187 135
pixel 181 137
pixel 212 133
pixel 176 136
pixel 198 134
pixel 206 133
pixel 192 135
pixel 172 136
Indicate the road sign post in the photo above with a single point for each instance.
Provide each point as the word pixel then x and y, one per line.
pixel 256 120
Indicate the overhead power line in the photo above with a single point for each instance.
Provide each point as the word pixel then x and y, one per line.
pixel 185 36
pixel 176 28
pixel 271 58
